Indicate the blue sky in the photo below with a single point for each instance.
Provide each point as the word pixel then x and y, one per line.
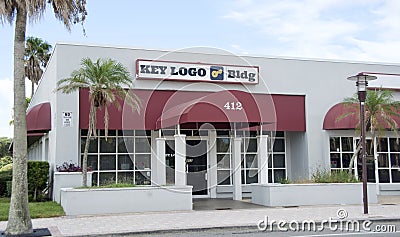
pixel 357 30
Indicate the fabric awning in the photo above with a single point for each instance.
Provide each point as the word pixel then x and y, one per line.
pixel 165 108
pixel 38 118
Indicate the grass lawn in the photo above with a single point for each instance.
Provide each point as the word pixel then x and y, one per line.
pixel 38 209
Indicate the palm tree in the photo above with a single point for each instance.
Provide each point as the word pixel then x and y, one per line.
pixel 380 112
pixel 104 78
pixel 69 12
pixel 37 54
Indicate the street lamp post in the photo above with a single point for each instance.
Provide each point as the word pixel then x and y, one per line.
pixel 362 83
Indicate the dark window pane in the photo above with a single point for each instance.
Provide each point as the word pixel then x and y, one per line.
pixel 279 175
pixel 253 133
pixel 334 144
pixel 223 145
pixel 142 145
pixel 92 145
pixel 125 162
pixel 251 176
pixel 168 132
pixel 279 134
pixel 269 161
pixel 395 176
pixel 347 144
pixel 270 175
pixel 126 132
pixel 143 162
pixel 383 176
pixel 107 146
pixel 223 161
pixel 188 133
pixel 223 177
pixel 251 161
pixel 394 144
pixel 395 160
pixel 143 177
pixel 125 177
pixel 143 133
pixel 110 132
pixel 279 161
pixel 251 145
pixel 224 133
pixel 95 175
pixel 92 162
pixel 346 157
pixel 335 160
pixel 107 162
pixel 106 178
pixel 383 160
pixel 84 132
pixel 126 145
pixel 382 145
pixel 243 178
pixel 279 145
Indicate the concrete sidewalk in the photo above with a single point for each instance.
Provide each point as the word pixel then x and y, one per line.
pixel 158 221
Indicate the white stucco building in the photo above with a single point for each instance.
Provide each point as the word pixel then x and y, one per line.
pixel 212 120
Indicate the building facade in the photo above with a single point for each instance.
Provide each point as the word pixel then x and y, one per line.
pixel 213 120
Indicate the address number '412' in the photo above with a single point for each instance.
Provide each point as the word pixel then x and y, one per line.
pixel 233 106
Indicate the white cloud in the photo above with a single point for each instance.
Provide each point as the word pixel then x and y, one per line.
pixel 6 98
pixel 337 29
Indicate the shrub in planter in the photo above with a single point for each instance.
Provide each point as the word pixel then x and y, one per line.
pixel 336 176
pixel 70 167
pixel 38 175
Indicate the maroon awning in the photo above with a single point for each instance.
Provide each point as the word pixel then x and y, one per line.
pixel 168 108
pixel 38 118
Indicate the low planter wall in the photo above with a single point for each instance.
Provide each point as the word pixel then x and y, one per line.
pixel 68 180
pixel 311 194
pixel 123 200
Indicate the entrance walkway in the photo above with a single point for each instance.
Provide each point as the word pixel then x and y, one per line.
pixel 200 204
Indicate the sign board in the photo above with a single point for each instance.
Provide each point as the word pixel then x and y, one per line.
pixel 192 72
pixel 67 119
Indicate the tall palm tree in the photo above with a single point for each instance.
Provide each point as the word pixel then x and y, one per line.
pixel 381 109
pixel 69 12
pixel 104 78
pixel 37 54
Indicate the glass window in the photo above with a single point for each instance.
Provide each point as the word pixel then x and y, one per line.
pixel 347 144
pixel 279 145
pixel 92 162
pixel 125 162
pixel 223 145
pixel 126 144
pixel 125 177
pixel 223 161
pixel 383 160
pixel 335 160
pixel 92 145
pixel 335 144
pixel 279 161
pixel 143 177
pixel 106 178
pixel 107 162
pixel 394 144
pixel 382 145
pixel 384 176
pixel 107 146
pixel 279 175
pixel 396 175
pixel 143 145
pixel 223 177
pixel 142 161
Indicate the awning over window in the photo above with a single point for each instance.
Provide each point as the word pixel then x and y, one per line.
pixel 38 118
pixel 335 118
pixel 161 109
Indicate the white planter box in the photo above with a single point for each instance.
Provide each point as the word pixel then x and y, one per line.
pixel 311 194
pixel 68 180
pixel 123 200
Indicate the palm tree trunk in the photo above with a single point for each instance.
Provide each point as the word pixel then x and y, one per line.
pixel 19 220
pixel 33 89
pixel 92 124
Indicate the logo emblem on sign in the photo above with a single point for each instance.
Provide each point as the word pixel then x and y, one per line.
pixel 217 73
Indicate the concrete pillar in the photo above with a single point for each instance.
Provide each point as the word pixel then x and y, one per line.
pixel 237 169
pixel 159 167
pixel 213 163
pixel 180 159
pixel 262 159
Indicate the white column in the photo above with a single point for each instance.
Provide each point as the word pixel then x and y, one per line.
pixel 180 159
pixel 213 163
pixel 262 158
pixel 159 168
pixel 237 169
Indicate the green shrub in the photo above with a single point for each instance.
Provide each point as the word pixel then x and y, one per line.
pixel 6 167
pixel 5 176
pixel 334 176
pixel 38 175
pixel 4 161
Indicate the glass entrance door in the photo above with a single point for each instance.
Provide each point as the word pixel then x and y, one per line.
pixel 196 166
